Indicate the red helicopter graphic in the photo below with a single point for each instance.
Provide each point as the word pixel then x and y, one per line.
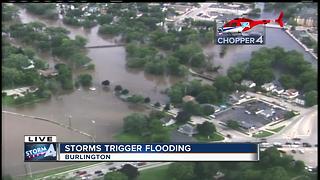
pixel 240 25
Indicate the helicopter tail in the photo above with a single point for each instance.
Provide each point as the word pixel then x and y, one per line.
pixel 279 20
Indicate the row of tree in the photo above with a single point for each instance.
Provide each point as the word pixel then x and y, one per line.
pixel 14 72
pixel 153 62
pixel 203 94
pixel 54 39
pixel 148 128
pixel 46 10
pixel 9 12
pixel 271 166
pixel 295 72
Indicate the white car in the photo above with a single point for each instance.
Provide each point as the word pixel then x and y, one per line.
pixel 212 116
pixel 301 151
pixel 277 144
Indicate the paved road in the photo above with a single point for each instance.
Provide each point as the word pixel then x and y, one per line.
pixel 193 12
pixel 104 167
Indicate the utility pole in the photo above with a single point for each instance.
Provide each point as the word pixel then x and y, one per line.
pixel 28 169
pixel 69 118
pixel 94 130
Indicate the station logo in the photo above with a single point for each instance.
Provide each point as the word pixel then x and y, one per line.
pixel 40 148
pixel 40 152
pixel 244 31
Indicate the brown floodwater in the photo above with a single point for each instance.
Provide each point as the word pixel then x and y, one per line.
pixel 102 106
pixel 84 106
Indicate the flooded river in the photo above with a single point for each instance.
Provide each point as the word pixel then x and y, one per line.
pixel 101 106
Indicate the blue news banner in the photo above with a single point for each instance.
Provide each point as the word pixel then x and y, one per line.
pixel 140 152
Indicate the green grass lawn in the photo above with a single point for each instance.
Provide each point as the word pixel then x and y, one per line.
pixel 277 129
pixel 125 137
pixel 172 127
pixel 7 100
pixel 262 134
pixel 158 173
pixel 60 170
pixel 215 137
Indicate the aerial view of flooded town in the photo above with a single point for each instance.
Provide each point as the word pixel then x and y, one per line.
pixel 151 72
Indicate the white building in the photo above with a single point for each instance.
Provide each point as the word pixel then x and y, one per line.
pixel 290 94
pixel 268 86
pixel 248 83
pixel 20 92
pixel 278 90
pixel 300 101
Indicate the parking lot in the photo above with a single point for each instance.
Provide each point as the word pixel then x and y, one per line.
pixel 245 114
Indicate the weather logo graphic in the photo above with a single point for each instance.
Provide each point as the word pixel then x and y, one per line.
pixel 40 152
pixel 242 31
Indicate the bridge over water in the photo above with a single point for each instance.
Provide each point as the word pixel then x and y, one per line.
pixel 106 46
pixel 201 75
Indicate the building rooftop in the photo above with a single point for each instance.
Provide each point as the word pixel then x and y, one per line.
pixel 188 129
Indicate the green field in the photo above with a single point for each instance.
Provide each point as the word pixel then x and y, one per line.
pixel 262 134
pixel 214 137
pixel 277 129
pixel 158 173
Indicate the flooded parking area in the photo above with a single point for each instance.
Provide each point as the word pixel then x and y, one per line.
pixel 252 114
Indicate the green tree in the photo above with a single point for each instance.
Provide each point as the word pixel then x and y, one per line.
pixel 183 117
pixel 167 107
pixel 207 97
pixel 275 173
pixel 147 100
pixel 299 166
pixel 311 98
pixel 236 73
pixel 106 83
pixel 205 170
pixel 118 88
pixel 115 176
pixel 181 171
pixel 206 129
pixel 192 108
pixel 125 91
pixel 157 104
pixel 130 171
pixel 233 124
pixel 85 80
pixel 288 81
pixel 207 110
pixel 9 12
pixel 223 84
pixel 135 99
pixel 105 19
pixel 135 124
pixel 251 174
pixel 80 41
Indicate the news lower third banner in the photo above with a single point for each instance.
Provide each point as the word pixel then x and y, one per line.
pixel 46 148
pixel 158 152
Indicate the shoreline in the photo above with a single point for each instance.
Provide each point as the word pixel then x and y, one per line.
pixel 297 40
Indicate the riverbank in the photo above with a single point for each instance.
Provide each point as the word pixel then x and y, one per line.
pixel 53 122
pixel 294 38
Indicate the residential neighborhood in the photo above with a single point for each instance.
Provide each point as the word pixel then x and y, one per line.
pixel 152 73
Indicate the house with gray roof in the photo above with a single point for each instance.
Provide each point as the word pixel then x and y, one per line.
pixel 188 129
pixel 167 121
